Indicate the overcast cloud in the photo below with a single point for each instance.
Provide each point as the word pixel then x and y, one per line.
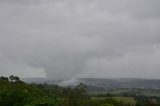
pixel 80 38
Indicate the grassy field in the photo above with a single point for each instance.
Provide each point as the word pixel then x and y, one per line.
pixel 126 100
pixel 144 92
pixel 118 91
pixel 149 93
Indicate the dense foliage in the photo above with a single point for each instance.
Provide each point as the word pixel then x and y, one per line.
pixel 14 92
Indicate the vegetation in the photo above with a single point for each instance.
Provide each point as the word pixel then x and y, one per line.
pixel 14 92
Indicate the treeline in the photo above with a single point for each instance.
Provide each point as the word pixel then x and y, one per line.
pixel 14 92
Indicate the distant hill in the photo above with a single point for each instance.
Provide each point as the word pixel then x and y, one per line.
pixel 122 83
pixel 100 83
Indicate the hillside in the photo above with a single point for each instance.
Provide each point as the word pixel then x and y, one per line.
pixel 103 83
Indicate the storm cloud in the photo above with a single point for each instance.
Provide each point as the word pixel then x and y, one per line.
pixel 80 38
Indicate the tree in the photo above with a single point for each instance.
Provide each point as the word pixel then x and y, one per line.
pixel 44 101
pixel 14 79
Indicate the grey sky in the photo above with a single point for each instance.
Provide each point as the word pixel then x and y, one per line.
pixel 80 38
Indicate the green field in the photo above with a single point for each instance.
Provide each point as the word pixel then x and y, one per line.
pixel 131 92
pixel 126 100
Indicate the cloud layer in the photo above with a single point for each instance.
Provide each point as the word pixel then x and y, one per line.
pixel 80 38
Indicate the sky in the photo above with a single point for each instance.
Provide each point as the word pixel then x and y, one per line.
pixel 62 39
